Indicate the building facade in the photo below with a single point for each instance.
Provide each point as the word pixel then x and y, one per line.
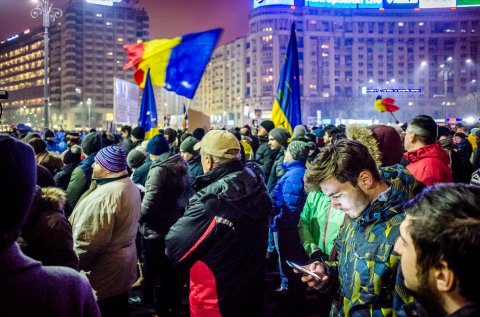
pixel 347 54
pixel 87 52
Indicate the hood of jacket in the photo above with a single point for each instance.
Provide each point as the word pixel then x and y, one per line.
pixel 231 182
pixel 173 162
pixel 48 199
pixel 429 151
pixel 403 187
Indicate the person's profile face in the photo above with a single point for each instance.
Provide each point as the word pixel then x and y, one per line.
pixel 274 144
pixel 345 197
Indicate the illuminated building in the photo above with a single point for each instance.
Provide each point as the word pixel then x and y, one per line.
pixel 86 54
pixel 346 51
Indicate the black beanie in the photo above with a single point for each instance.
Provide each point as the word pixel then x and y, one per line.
pixel 73 155
pixel 198 133
pixel 19 175
pixel 268 125
pixel 91 144
pixel 49 133
pixel 138 133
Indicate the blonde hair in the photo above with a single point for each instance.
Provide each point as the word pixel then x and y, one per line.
pixel 365 136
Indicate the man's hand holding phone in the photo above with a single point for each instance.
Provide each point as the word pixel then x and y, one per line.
pixel 314 274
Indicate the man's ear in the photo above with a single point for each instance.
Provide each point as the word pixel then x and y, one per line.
pixel 365 180
pixel 445 278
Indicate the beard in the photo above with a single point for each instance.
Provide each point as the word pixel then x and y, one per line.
pixel 428 296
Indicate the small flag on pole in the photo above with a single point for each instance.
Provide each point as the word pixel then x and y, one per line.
pixel 147 118
pixel 185 117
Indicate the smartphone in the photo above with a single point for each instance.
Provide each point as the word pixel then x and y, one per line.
pixel 303 270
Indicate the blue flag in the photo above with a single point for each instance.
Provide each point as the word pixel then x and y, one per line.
pixel 147 118
pixel 286 112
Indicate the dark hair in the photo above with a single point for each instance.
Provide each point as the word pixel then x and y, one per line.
pixel 38 145
pixel 446 226
pixel 170 134
pixel 343 160
pixel 424 128
pixel 335 133
pixel 461 135
pixel 126 128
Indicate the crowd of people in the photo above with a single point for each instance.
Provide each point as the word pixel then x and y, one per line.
pixel 384 220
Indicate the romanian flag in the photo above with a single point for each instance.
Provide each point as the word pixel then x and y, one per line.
pixel 286 111
pixel 385 104
pixel 185 117
pixel 176 64
pixel 148 119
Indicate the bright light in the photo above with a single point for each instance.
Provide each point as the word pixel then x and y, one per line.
pixel 469 120
pixel 442 66
pixel 410 103
pixel 423 64
pixel 449 59
pixel 35 1
pixel 474 81
pixel 370 80
pixel 392 81
pixel 468 61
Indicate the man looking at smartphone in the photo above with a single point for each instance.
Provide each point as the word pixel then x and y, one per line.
pixel 364 274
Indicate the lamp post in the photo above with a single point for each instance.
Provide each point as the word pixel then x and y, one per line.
pixel 447 72
pixel 45 8
pixel 89 105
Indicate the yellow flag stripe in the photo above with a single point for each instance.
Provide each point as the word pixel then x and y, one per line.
pixel 157 53
pixel 279 117
pixel 151 133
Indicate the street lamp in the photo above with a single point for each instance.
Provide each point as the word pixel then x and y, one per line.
pixel 447 72
pixel 45 8
pixel 89 105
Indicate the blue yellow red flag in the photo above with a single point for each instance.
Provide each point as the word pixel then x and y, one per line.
pixel 185 117
pixel 286 112
pixel 176 64
pixel 147 118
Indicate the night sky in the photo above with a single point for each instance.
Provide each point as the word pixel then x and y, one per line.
pixel 168 18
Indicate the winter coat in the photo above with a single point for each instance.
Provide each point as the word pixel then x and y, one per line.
pixel 167 191
pixel 29 289
pixel 53 146
pixel 462 168
pixel 265 156
pixel 140 174
pixel 129 145
pixel 79 182
pixel 105 224
pixel 194 168
pixel 277 171
pixel 62 178
pixel 289 197
pixel 223 239
pixel 319 223
pixel 429 164
pixel 366 269
pixel 46 235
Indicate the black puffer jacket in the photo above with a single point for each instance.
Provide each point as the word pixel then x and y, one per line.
pixel 167 192
pixel 46 235
pixel 223 239
pixel 277 171
pixel 265 156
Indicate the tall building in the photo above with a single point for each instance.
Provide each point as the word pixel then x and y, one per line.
pixel 426 59
pixel 87 52
pixel 21 74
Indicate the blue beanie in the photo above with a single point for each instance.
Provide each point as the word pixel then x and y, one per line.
pixel 112 158
pixel 158 145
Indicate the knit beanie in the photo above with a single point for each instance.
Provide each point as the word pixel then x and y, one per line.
pixel 49 134
pixel 474 131
pixel 281 135
pixel 198 133
pixel 73 155
pixel 139 133
pixel 188 144
pixel 18 172
pixel 91 144
pixel 299 150
pixel 136 158
pixel 158 145
pixel 299 131
pixel 112 158
pixel 268 125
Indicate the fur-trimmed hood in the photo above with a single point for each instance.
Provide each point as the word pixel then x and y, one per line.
pixel 48 199
pixel 365 136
